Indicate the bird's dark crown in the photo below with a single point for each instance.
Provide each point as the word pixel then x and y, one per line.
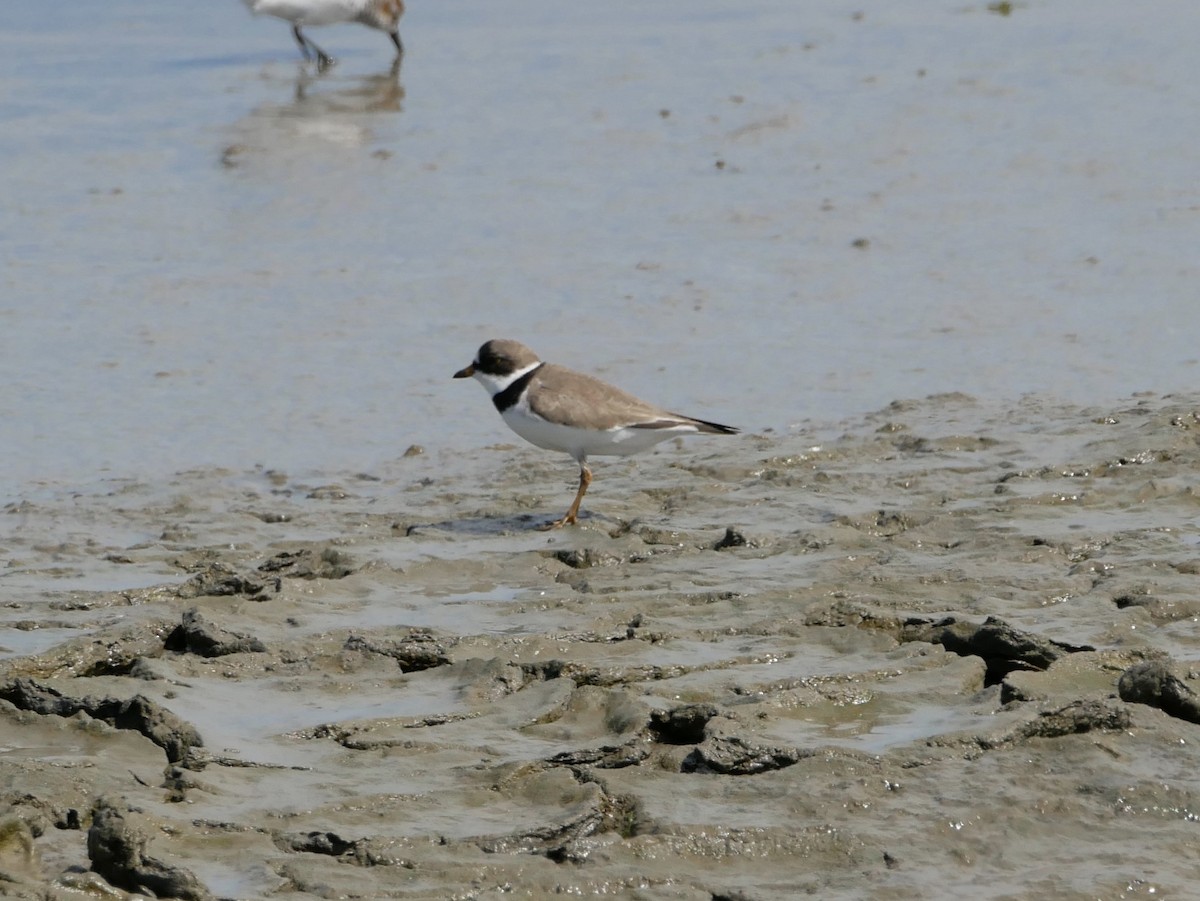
pixel 501 356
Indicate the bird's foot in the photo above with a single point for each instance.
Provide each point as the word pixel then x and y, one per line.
pixel 568 520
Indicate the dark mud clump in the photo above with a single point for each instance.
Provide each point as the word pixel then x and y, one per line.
pixel 329 563
pixel 140 714
pixel 195 635
pixel 117 850
pixel 1154 684
pixel 216 579
pixel 1003 648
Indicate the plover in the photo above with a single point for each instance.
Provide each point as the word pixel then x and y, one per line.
pixel 382 14
pixel 559 409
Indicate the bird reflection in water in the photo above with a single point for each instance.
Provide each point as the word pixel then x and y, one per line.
pixel 380 93
pixel 325 108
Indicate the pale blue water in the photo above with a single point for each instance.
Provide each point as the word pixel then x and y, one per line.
pixel 1026 186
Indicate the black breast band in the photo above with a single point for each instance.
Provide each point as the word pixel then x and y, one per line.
pixel 510 395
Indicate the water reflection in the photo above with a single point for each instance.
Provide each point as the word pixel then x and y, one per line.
pixel 319 94
pixel 321 108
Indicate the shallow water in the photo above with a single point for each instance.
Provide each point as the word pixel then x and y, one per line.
pixel 216 259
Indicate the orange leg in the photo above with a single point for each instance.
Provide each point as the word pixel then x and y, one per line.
pixel 585 479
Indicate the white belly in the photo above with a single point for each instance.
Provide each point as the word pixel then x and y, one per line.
pixel 583 443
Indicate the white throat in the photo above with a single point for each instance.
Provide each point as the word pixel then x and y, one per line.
pixel 497 383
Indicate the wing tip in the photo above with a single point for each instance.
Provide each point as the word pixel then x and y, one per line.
pixel 702 425
pixel 715 428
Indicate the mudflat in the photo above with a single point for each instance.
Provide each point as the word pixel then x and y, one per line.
pixel 937 651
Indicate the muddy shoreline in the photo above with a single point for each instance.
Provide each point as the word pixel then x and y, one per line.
pixel 946 650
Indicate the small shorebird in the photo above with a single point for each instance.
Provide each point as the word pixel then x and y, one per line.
pixel 559 409
pixel 382 14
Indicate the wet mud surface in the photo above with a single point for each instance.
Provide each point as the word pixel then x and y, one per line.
pixel 941 651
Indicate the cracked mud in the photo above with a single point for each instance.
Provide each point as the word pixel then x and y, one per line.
pixel 944 645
